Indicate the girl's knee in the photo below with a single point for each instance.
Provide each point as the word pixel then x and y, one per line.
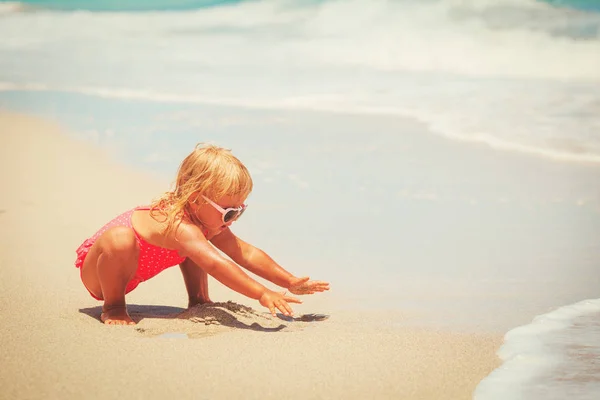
pixel 120 242
pixel 188 263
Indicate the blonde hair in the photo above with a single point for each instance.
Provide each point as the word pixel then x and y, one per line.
pixel 208 170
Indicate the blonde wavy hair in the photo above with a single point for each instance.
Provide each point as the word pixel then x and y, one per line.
pixel 208 170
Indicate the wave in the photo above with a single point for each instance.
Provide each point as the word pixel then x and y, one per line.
pixel 528 354
pixel 330 104
pixel 477 37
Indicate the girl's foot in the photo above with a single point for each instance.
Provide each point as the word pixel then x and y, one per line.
pixel 195 301
pixel 116 315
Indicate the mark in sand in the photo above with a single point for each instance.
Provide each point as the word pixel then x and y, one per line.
pixel 210 319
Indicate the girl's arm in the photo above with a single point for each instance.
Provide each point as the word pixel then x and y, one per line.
pixel 191 243
pixel 253 259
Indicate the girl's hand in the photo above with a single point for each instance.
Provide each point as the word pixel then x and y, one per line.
pixel 306 286
pixel 273 300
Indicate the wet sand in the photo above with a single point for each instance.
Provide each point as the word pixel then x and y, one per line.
pixel 56 192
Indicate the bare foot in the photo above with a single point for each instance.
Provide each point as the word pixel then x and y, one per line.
pixel 196 301
pixel 116 315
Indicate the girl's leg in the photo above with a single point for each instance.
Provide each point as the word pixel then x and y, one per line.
pixel 196 283
pixel 108 267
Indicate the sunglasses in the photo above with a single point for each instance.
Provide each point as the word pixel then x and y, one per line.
pixel 228 214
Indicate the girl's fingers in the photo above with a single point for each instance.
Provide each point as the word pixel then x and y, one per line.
pixel 284 308
pixel 287 308
pixel 290 299
pixel 320 285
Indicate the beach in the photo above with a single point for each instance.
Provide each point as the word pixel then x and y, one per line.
pixel 57 191
pixel 438 163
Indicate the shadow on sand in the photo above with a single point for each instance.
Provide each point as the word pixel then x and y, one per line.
pixel 139 312
pixel 227 314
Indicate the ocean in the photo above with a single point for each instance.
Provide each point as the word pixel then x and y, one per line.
pixel 329 103
pixel 557 356
pixel 505 59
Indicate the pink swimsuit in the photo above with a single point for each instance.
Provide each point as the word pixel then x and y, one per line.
pixel 152 259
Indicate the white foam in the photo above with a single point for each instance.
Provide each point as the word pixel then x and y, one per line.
pixel 525 356
pixel 436 121
pixel 448 36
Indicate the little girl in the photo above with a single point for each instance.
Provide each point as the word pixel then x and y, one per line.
pixel 210 192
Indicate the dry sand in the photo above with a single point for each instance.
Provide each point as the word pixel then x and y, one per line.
pixel 56 192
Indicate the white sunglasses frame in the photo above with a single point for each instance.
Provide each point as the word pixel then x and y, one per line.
pixel 239 210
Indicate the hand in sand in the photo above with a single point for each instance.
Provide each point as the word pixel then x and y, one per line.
pixel 304 285
pixel 274 300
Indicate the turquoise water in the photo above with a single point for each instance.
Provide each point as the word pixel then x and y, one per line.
pixel 175 5
pixel 129 5
pixel 587 5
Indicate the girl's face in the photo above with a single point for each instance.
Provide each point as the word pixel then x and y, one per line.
pixel 211 216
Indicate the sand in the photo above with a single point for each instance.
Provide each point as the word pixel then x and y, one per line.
pixel 56 192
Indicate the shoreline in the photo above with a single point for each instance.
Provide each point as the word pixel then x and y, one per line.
pixel 482 142
pixel 538 353
pixel 344 356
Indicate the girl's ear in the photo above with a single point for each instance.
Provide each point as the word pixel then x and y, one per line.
pixel 195 198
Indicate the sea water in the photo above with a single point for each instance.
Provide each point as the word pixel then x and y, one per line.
pixel 521 76
pixel 557 356
pixel 527 72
